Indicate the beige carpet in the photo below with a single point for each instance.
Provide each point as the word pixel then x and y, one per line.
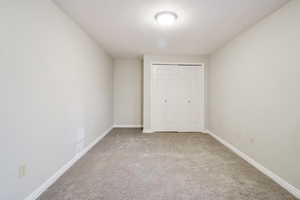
pixel 129 165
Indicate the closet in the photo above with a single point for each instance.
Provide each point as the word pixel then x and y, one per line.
pixel 177 97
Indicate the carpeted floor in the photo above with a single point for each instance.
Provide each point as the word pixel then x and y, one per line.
pixel 129 165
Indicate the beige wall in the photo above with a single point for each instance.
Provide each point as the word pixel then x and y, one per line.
pixel 147 60
pixel 54 82
pixel 127 92
pixel 254 96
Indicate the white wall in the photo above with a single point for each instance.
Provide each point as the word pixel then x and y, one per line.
pixel 53 82
pixel 254 95
pixel 148 59
pixel 127 92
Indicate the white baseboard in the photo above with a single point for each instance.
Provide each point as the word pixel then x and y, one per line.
pixel 200 131
pixel 36 193
pixel 293 190
pixel 148 131
pixel 127 126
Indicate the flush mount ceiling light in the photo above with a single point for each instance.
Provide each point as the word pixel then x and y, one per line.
pixel 166 18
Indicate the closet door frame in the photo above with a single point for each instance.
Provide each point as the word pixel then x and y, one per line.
pixel 203 105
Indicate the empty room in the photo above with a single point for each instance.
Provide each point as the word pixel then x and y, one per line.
pixel 150 99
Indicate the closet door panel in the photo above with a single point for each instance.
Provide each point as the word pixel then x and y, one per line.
pixel 192 99
pixel 165 98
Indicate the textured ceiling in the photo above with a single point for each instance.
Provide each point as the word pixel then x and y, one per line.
pixel 126 28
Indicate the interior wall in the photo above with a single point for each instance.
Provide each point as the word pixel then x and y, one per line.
pixel 147 61
pixel 254 96
pixel 54 82
pixel 127 92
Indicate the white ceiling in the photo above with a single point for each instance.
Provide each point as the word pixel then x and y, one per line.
pixel 126 28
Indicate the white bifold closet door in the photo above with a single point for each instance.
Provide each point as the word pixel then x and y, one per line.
pixel 177 98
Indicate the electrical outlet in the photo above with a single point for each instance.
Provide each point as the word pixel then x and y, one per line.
pixel 22 171
pixel 80 146
pixel 80 140
pixel 80 135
